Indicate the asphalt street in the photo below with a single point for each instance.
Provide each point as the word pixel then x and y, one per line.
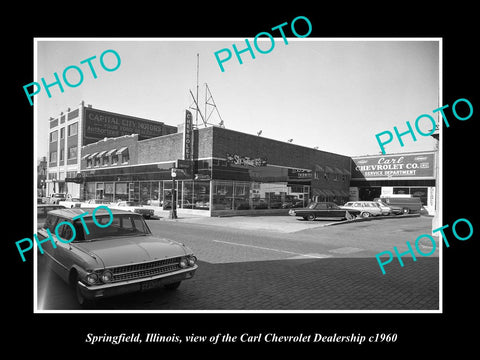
pixel 281 263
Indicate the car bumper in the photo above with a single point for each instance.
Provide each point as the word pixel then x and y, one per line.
pixel 143 284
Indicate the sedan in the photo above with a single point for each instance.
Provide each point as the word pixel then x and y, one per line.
pixel 323 210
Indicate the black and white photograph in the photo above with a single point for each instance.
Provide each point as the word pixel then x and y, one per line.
pixel 255 174
pixel 242 179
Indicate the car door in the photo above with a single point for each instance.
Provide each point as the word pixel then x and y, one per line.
pixel 334 210
pixel 321 210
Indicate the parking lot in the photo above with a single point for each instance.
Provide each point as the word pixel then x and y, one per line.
pixel 281 263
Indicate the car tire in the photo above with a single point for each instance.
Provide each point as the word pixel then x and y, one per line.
pixel 311 217
pixel 173 286
pixel 405 211
pixel 82 301
pixel 365 214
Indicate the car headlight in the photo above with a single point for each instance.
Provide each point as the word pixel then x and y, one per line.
pixel 106 276
pixel 183 263
pixel 92 278
pixel 192 260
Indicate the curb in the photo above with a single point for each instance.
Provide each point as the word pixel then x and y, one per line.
pixel 372 218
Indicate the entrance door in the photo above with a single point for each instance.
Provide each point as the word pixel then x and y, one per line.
pixel 369 193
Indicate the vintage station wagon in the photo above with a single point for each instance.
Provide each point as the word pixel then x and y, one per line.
pixel 112 260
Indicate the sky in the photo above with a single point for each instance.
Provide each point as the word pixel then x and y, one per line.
pixel 334 94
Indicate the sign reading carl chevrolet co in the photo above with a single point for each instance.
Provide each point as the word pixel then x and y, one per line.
pixel 403 166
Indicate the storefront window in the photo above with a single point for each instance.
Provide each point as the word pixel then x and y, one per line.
pixel 154 200
pixel 222 195
pixel 108 192
pixel 145 192
pixel 99 191
pixel 201 195
pixel 187 200
pixel 121 191
pixel 242 195
pixel 90 191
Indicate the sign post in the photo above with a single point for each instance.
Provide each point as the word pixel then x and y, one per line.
pixel 173 211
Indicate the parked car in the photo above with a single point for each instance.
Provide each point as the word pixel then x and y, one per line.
pixel 293 204
pixel 365 208
pixel 408 204
pixel 42 211
pixel 94 203
pixel 392 208
pixel 133 207
pixel 324 210
pixel 55 198
pixel 119 258
pixel 71 203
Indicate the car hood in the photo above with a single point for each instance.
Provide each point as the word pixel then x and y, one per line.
pixel 130 250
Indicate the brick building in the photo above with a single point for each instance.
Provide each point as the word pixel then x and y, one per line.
pixel 224 171
pixel 84 125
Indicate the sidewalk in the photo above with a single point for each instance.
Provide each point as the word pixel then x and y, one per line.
pixel 271 223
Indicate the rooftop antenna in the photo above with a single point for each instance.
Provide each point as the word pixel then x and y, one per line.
pixel 209 101
pixel 209 97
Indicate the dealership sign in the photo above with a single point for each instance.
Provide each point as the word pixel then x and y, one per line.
pixel 187 136
pixel 413 166
pixel 245 160
pixel 101 124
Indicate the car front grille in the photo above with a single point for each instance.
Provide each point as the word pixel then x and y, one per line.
pixel 147 269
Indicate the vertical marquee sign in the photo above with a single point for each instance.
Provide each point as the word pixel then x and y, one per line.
pixel 187 164
pixel 188 137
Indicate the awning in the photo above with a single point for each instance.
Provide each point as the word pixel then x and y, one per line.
pixel 110 152
pixel 329 169
pixel 121 151
pixel 84 157
pixel 93 155
pixel 319 168
pixel 338 171
pixel 346 172
pixel 329 193
pixel 318 192
pixel 100 154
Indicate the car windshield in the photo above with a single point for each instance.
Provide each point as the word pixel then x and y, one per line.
pixel 122 225
pixel 312 206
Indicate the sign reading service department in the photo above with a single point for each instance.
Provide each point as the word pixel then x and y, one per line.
pixel 416 166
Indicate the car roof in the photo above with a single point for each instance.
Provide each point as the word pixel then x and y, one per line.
pixel 71 213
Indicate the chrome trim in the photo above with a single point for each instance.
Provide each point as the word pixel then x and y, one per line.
pixel 136 281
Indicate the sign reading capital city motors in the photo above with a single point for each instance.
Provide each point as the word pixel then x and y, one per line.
pixel 102 124
pixel 400 166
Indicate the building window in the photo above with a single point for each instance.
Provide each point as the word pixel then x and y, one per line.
pixel 114 159
pixel 72 152
pixel 54 136
pixel 125 157
pixel 72 129
pixel 61 154
pixel 62 133
pixel 73 114
pixel 53 157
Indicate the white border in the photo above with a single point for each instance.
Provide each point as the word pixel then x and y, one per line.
pixel 439 182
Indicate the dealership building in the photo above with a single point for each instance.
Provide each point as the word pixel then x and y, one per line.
pixel 219 171
pixel 396 174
